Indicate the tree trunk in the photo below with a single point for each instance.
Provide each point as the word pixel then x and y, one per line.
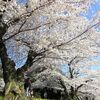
pixel 9 71
pixel 8 65
pixel 13 90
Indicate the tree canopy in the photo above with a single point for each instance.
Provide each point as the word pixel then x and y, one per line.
pixel 52 33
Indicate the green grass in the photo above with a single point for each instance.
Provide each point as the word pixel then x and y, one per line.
pixel 1 98
pixel 39 99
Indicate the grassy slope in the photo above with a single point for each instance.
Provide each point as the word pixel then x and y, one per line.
pixel 39 99
pixel 1 98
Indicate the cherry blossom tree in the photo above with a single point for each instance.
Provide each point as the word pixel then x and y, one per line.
pixel 49 33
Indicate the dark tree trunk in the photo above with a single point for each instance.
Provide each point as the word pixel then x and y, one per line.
pixel 13 90
pixel 10 74
pixel 7 64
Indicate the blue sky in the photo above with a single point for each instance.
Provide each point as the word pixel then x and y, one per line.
pixel 95 7
pixel 95 58
pixel 22 1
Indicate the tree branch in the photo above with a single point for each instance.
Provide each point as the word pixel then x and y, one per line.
pixel 67 41
pixel 31 58
pixel 25 30
pixel 28 14
pixel 62 44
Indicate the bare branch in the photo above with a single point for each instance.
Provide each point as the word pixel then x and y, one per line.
pixel 72 61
